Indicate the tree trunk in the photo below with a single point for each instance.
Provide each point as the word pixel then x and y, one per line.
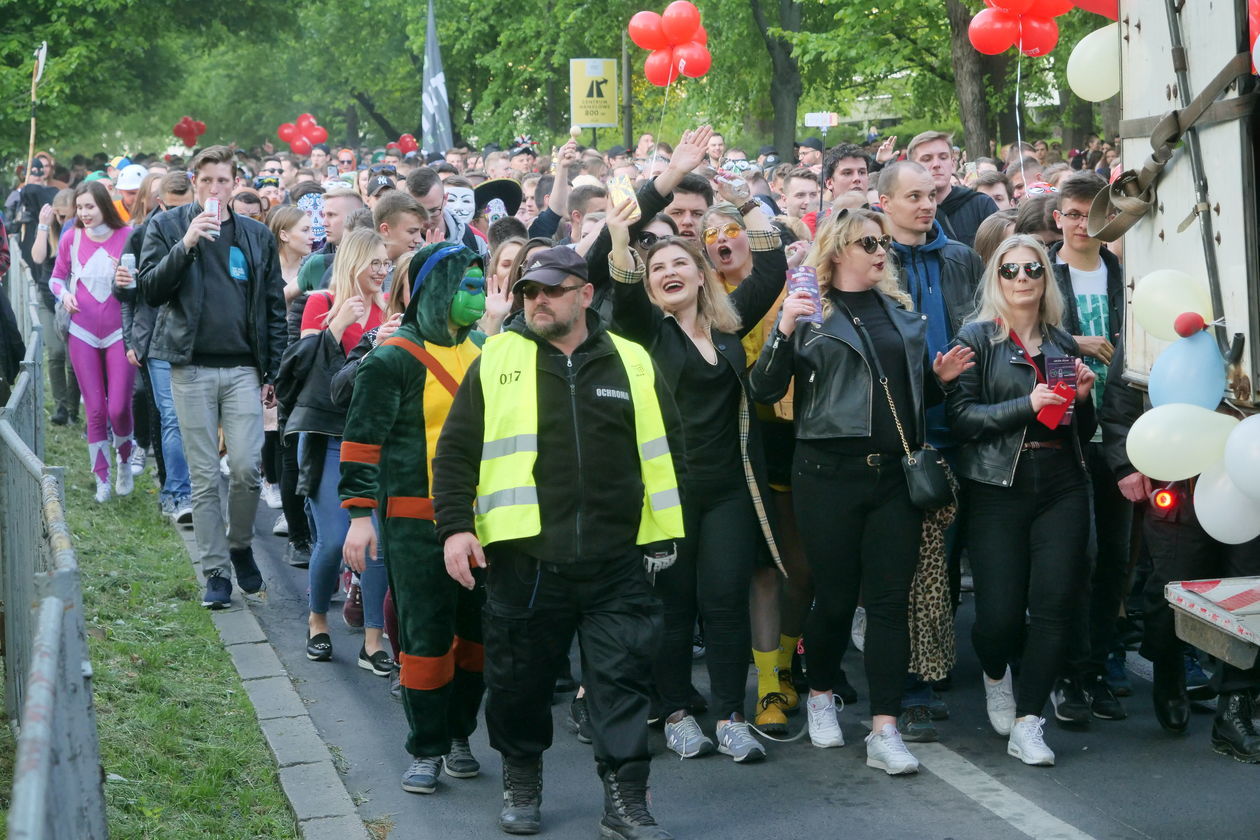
pixel 785 80
pixel 352 127
pixel 380 119
pixel 1078 122
pixel 968 82
pixel 1110 118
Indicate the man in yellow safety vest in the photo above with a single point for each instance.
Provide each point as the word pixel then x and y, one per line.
pixel 558 469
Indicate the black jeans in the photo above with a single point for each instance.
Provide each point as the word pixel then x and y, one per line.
pixel 1181 550
pixel 294 505
pixel 1028 556
pixel 711 578
pixel 1098 605
pixel 861 535
pixel 532 610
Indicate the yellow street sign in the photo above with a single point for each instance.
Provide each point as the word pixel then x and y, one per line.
pixel 593 92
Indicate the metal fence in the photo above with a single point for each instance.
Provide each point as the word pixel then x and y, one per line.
pixel 57 782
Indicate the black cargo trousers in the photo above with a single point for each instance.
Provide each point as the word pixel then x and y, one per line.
pixel 531 613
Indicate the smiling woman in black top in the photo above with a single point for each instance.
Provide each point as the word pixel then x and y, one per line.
pixel 860 530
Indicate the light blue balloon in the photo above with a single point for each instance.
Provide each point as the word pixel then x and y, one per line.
pixel 1190 370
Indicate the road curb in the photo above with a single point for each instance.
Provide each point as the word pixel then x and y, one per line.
pixel 316 793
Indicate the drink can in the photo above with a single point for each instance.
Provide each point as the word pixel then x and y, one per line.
pixel 805 277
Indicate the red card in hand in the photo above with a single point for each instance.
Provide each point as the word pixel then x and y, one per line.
pixel 1052 415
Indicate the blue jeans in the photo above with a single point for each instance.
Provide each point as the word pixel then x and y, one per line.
pixel 329 523
pixel 177 485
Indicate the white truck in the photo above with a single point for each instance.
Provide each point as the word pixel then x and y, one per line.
pixel 1188 200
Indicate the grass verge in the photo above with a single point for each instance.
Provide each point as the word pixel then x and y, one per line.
pixel 181 747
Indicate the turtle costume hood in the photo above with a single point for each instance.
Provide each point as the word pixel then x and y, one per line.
pixel 436 276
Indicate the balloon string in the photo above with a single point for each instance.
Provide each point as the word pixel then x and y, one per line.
pixel 661 122
pixel 1019 131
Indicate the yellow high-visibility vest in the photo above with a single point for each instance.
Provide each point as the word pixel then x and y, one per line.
pixel 507 498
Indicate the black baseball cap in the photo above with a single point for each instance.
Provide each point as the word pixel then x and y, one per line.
pixel 767 150
pixel 812 143
pixel 379 183
pixel 552 266
pixel 618 151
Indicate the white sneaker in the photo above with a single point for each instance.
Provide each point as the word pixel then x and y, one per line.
pixel 138 459
pixel 886 751
pixel 271 496
pixel 1027 743
pixel 281 528
pixel 824 729
pixel 223 467
pixel 124 481
pixel 103 492
pixel 999 700
pixel 858 630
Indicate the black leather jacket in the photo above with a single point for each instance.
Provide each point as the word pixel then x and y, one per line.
pixel 989 407
pixel 170 278
pixel 834 383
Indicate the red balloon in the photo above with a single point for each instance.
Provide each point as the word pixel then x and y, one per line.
pixel 693 59
pixel 287 132
pixel 645 30
pixel 304 120
pixel 1189 323
pixel 407 143
pixel 1107 8
pixel 680 21
pixel 993 31
pixel 1015 7
pixel 316 133
pixel 1049 8
pixel 200 127
pixel 701 36
pixel 659 68
pixel 300 145
pixel 189 141
pixel 1037 36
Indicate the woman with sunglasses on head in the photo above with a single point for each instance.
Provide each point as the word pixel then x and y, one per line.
pixel 679 310
pixel 862 384
pixel 1028 500
pixel 333 323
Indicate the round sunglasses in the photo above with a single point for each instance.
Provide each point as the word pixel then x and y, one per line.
pixel 871 244
pixel 730 231
pixel 1032 270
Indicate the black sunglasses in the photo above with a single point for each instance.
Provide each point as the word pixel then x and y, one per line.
pixel 870 244
pixel 647 239
pixel 384 167
pixel 531 291
pixel 1032 270
pixel 345 161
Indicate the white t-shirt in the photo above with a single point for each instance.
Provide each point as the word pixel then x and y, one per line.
pixel 1090 289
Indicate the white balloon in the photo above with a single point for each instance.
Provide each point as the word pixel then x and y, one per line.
pixel 1178 441
pixel 1226 513
pixel 1093 68
pixel 1242 456
pixel 1163 295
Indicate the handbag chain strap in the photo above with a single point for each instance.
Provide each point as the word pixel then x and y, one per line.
pixel 883 381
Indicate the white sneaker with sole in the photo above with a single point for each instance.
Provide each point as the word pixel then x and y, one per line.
pixel 999 701
pixel 281 528
pixel 124 481
pixel 886 751
pixel 824 729
pixel 271 496
pixel 103 493
pixel 1027 743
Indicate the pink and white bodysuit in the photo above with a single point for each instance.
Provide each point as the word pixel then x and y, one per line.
pixel 96 348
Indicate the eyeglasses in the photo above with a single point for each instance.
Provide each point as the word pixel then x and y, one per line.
pixel 379 266
pixel 532 291
pixel 647 239
pixel 871 244
pixel 730 231
pixel 271 170
pixel 1073 216
pixel 1032 270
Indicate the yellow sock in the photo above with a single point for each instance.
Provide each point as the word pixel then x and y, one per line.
pixel 767 671
pixel 787 647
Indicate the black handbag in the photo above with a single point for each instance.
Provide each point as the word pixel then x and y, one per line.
pixel 927 473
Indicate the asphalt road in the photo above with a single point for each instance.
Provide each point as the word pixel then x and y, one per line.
pixel 1118 780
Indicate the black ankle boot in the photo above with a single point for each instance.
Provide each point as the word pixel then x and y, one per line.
pixel 61 416
pixel 1233 733
pixel 626 815
pixel 522 796
pixel 1172 706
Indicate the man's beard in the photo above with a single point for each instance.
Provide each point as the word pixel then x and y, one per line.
pixel 555 329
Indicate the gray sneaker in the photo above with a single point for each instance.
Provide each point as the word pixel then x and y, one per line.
pixel 460 763
pixel 686 739
pixel 736 740
pixel 422 775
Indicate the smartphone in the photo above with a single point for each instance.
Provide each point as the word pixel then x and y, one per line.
pixel 331 171
pixel 1062 369
pixel 619 190
pixel 1053 416
pixel 805 277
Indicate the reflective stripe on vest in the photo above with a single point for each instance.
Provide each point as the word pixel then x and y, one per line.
pixel 507 499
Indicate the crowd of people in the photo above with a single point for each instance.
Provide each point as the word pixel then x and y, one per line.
pixel 673 400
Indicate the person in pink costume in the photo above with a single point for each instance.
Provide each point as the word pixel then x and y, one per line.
pixel 83 281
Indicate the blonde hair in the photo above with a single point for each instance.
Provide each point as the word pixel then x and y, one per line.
pixel 993 305
pixel 354 256
pixel 729 212
pixel 835 235
pixel 713 305
pixel 400 291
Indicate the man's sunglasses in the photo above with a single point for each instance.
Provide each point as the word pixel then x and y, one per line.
pixel 271 170
pixel 871 244
pixel 1032 270
pixel 532 291
pixel 730 231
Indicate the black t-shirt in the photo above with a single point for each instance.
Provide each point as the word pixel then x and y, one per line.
pixel 32 199
pixel 892 356
pixel 1037 430
pixel 708 400
pixel 222 331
